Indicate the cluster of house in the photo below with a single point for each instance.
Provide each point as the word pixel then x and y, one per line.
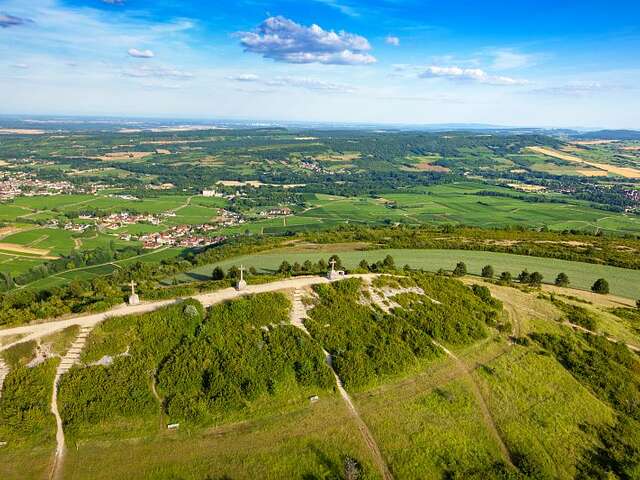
pixel 119 220
pixel 26 184
pixel 633 195
pixel 276 212
pixel 187 236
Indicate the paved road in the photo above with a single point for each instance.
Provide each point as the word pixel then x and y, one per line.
pixel 38 330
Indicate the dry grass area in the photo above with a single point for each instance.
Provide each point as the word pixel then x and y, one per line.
pixel 124 156
pixel 625 172
pixel 592 173
pixel 338 157
pixel 428 167
pixel 14 247
pixel 21 131
pixel 633 148
pixel 527 188
pixel 593 142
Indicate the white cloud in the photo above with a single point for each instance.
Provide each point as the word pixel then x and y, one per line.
pixel 22 66
pixel 113 2
pixel 310 84
pixel 392 40
pixel 508 60
pixel 160 72
pixel 469 74
pixel 305 83
pixel 134 52
pixel 343 8
pixel 283 40
pixel 244 77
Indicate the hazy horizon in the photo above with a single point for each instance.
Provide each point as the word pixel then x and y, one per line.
pixel 337 61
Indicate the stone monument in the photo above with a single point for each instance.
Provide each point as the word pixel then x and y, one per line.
pixel 242 284
pixel 133 298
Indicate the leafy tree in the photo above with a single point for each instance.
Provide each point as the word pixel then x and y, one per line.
pixel 600 286
pixel 506 278
pixel 638 304
pixel 363 264
pixel 285 267
pixel 460 270
pixel 535 279
pixel 253 271
pixel 562 280
pixel 307 266
pixel 217 274
pixel 233 272
pixel 487 271
pixel 524 277
pixel 389 262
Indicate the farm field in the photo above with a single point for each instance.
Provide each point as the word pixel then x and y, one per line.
pixel 455 204
pixel 623 282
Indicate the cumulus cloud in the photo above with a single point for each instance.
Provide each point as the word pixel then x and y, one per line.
pixel 244 77
pixel 7 21
pixel 392 40
pixel 310 84
pixel 134 52
pixel 157 72
pixel 292 82
pixel 284 40
pixel 469 74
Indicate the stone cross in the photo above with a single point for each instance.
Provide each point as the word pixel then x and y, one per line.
pixel 333 265
pixel 133 284
pixel 242 269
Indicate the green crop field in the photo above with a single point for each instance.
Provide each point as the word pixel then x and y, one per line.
pixel 624 282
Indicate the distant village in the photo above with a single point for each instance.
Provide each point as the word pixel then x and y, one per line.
pixel 24 184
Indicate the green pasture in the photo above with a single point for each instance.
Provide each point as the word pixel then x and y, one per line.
pixel 623 282
pixel 57 241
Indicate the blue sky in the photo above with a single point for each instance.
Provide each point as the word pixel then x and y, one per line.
pixel 543 63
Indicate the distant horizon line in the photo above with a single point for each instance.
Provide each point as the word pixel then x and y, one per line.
pixel 112 118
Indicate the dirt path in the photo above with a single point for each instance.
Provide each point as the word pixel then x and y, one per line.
pixel 154 391
pixel 69 360
pixel 631 347
pixel 37 330
pixel 477 393
pixel 298 313
pixel 4 371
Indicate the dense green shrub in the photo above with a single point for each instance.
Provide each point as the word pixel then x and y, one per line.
pixel 456 315
pixel 25 416
pixel 600 286
pixel 576 315
pixel 365 344
pixel 93 394
pixel 242 351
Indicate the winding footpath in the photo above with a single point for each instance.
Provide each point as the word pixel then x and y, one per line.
pixel 69 360
pixel 477 393
pixel 88 322
pixel 298 313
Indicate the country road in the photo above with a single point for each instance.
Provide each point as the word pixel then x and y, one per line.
pixel 37 330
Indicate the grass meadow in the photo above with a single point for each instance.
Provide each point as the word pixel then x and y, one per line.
pixel 623 281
